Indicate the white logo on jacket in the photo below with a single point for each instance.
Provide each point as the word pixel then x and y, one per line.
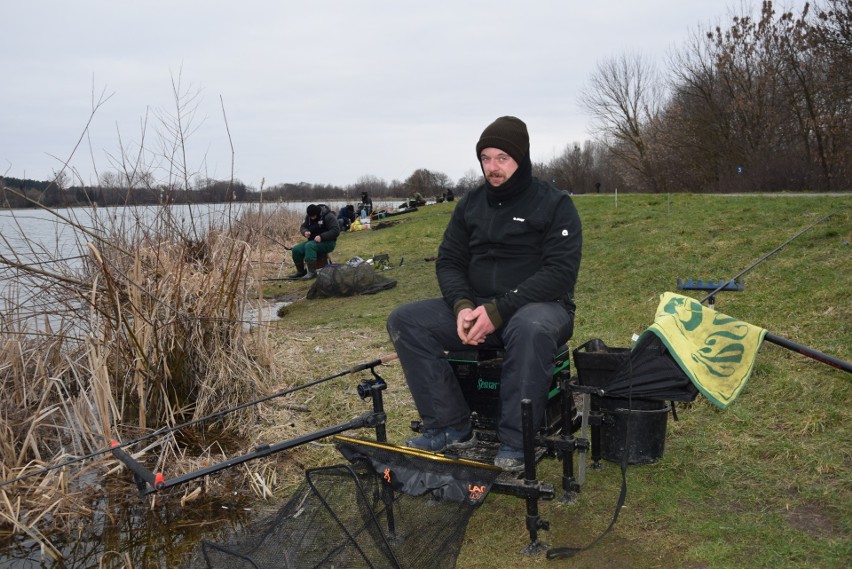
pixel 521 219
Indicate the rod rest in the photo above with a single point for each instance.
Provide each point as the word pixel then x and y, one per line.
pixel 699 284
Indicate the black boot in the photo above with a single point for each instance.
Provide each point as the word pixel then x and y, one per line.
pixel 312 271
pixel 300 272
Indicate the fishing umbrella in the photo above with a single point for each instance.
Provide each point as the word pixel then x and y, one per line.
pixel 649 371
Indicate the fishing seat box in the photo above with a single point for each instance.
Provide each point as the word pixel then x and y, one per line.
pixel 479 373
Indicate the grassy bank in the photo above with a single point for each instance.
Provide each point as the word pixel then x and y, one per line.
pixel 764 484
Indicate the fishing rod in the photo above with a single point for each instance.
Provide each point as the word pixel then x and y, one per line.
pixel 778 340
pixel 148 482
pixel 371 260
pixel 114 446
pixel 748 269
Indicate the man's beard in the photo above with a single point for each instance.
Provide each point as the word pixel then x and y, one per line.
pixel 496 179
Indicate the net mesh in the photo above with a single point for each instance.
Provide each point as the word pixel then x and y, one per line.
pixel 348 280
pixel 344 516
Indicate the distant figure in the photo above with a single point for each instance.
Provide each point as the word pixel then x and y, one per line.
pixel 366 205
pixel 346 216
pixel 448 195
pixel 415 200
pixel 321 230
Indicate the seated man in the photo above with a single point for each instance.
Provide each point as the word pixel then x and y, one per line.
pixel 346 216
pixel 321 230
pixel 506 268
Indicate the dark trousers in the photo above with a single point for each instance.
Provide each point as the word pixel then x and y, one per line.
pixel 421 331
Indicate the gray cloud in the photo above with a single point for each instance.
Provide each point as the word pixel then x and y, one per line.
pixel 323 91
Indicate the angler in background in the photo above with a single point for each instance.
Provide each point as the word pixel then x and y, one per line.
pixel 321 230
pixel 366 205
pixel 346 216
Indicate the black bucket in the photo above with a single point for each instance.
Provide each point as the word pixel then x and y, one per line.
pixel 636 427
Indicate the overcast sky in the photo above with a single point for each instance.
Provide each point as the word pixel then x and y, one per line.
pixel 317 91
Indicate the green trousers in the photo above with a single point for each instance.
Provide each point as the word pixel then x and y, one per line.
pixel 308 251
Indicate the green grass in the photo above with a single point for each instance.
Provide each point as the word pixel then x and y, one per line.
pixel 766 483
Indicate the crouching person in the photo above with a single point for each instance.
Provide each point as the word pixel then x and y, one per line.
pixel 506 268
pixel 321 230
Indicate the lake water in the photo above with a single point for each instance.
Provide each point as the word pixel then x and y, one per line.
pixel 54 241
pixel 32 234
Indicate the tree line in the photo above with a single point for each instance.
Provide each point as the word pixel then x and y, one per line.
pixel 759 104
pixel 23 193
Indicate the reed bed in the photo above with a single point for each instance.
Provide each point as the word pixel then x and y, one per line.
pixel 141 329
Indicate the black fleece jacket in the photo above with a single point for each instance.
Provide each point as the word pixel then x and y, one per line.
pixel 326 225
pixel 521 250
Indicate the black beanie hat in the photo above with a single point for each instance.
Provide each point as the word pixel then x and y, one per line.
pixel 313 210
pixel 509 134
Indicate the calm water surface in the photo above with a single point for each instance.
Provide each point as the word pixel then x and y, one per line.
pixel 56 243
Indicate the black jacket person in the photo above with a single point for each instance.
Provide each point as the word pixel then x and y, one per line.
pixel 506 267
pixel 320 229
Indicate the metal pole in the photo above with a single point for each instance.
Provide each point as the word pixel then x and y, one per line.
pixel 805 351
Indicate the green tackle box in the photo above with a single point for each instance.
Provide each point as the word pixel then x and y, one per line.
pixel 479 372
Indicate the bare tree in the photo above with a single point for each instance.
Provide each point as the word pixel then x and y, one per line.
pixel 814 65
pixel 441 180
pixel 471 180
pixel 573 169
pixel 624 98
pixel 373 185
pixel 762 104
pixel 427 183
pixel 699 136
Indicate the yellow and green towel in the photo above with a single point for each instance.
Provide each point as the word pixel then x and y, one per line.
pixel 716 351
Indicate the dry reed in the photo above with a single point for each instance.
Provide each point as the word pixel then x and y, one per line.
pixel 145 331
